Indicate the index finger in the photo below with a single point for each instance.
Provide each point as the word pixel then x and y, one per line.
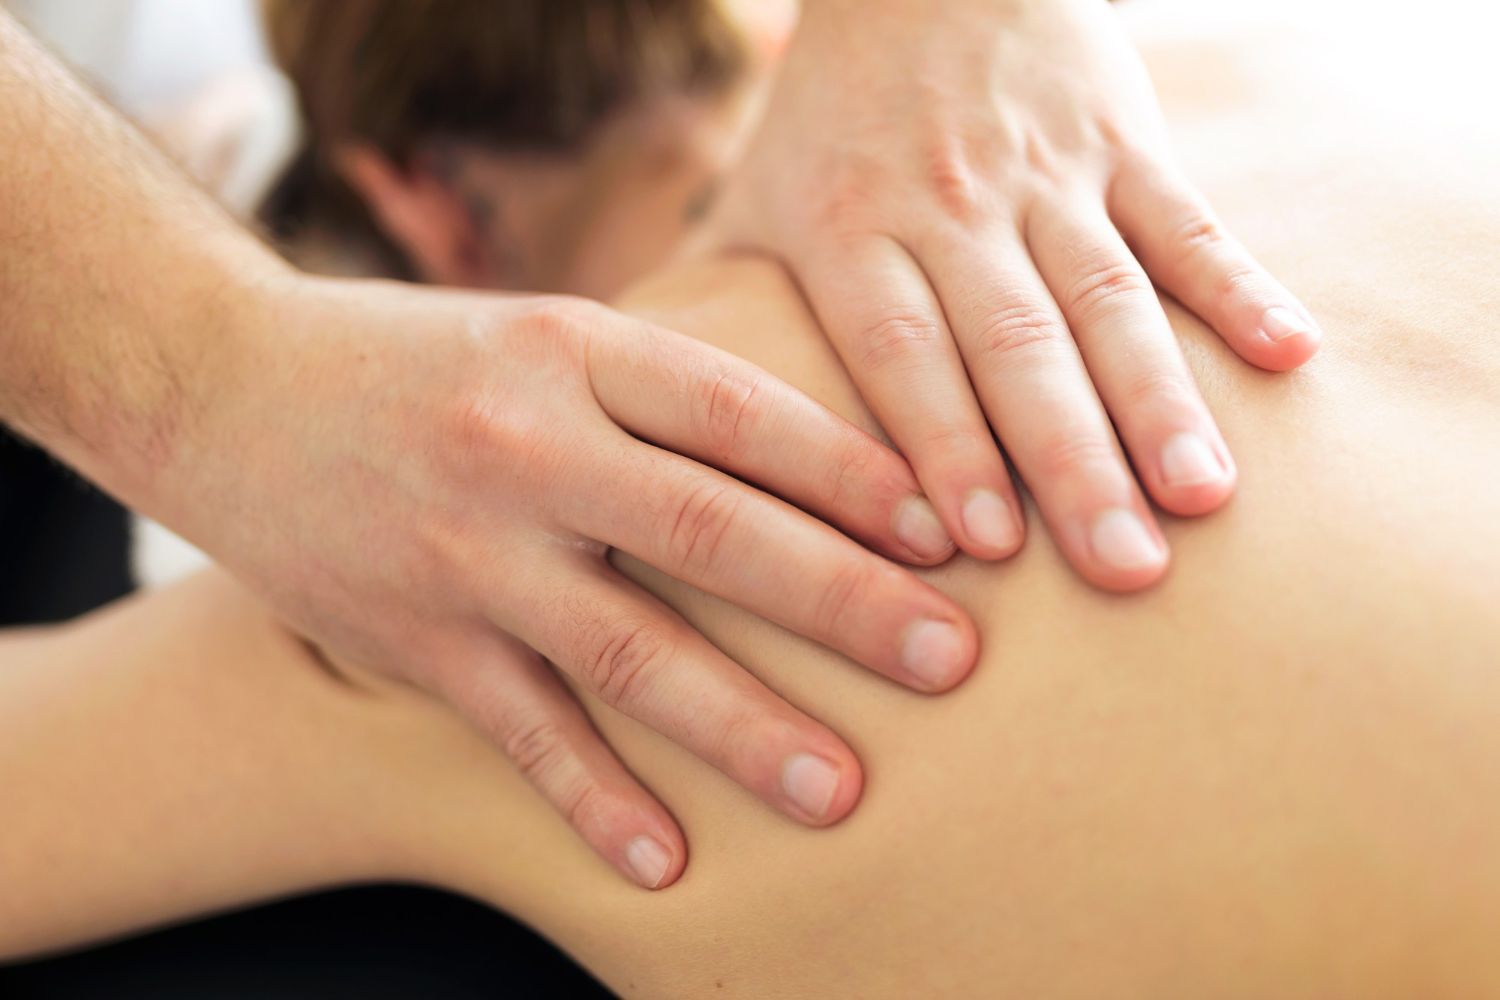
pixel 705 403
pixel 706 529
pixel 882 316
pixel 516 700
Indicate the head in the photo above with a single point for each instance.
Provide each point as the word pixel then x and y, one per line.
pixel 546 145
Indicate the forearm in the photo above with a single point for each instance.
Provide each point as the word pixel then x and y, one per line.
pixel 120 283
pixel 174 755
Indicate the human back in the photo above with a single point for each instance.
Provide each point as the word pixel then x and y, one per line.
pixel 1271 774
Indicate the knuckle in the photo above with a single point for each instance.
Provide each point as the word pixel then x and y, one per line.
pixel 621 662
pixel 1041 157
pixel 1016 330
pixel 536 747
pixel 1074 455
pixel 557 317
pixel 960 447
pixel 480 428
pixel 897 339
pixel 847 591
pixel 850 475
pixel 737 740
pixel 1204 245
pixel 843 207
pixel 1199 236
pixel 700 522
pixel 584 805
pixel 1157 387
pixel 1104 287
pixel 732 406
pixel 473 428
pixel 1240 284
pixel 956 443
pixel 952 180
pixel 1138 151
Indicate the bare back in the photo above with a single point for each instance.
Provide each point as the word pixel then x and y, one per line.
pixel 1272 775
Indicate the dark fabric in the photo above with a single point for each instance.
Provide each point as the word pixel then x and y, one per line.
pixel 372 943
pixel 64 551
pixel 62 542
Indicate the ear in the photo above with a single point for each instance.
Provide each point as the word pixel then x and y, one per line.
pixel 423 216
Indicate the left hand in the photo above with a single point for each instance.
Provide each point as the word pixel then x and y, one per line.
pixel 976 197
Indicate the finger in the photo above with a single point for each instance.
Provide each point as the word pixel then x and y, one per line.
pixel 528 712
pixel 706 403
pixel 889 330
pixel 1187 251
pixel 637 655
pixel 1039 399
pixel 718 534
pixel 1133 356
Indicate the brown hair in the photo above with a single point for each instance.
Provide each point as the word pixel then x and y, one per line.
pixel 534 75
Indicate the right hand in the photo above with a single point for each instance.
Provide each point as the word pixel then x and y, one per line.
pixel 977 223
pixel 427 483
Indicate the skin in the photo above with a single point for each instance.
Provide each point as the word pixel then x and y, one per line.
pixel 977 224
pixel 428 437
pixel 1273 775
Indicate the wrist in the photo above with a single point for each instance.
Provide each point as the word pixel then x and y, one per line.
pixel 179 369
pixel 120 279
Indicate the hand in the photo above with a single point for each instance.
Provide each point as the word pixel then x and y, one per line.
pixel 976 197
pixel 428 482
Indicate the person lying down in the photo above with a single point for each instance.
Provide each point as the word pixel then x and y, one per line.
pixel 1271 775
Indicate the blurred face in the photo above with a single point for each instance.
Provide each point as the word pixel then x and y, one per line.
pixel 587 223
pixel 590 224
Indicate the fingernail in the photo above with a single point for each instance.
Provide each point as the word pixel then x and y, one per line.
pixel 990 521
pixel 1121 541
pixel 810 782
pixel 1280 323
pixel 648 860
pixel 1187 460
pixel 933 652
pixel 918 528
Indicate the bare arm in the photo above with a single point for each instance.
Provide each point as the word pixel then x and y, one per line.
pixel 121 284
pixel 379 461
pixel 154 760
